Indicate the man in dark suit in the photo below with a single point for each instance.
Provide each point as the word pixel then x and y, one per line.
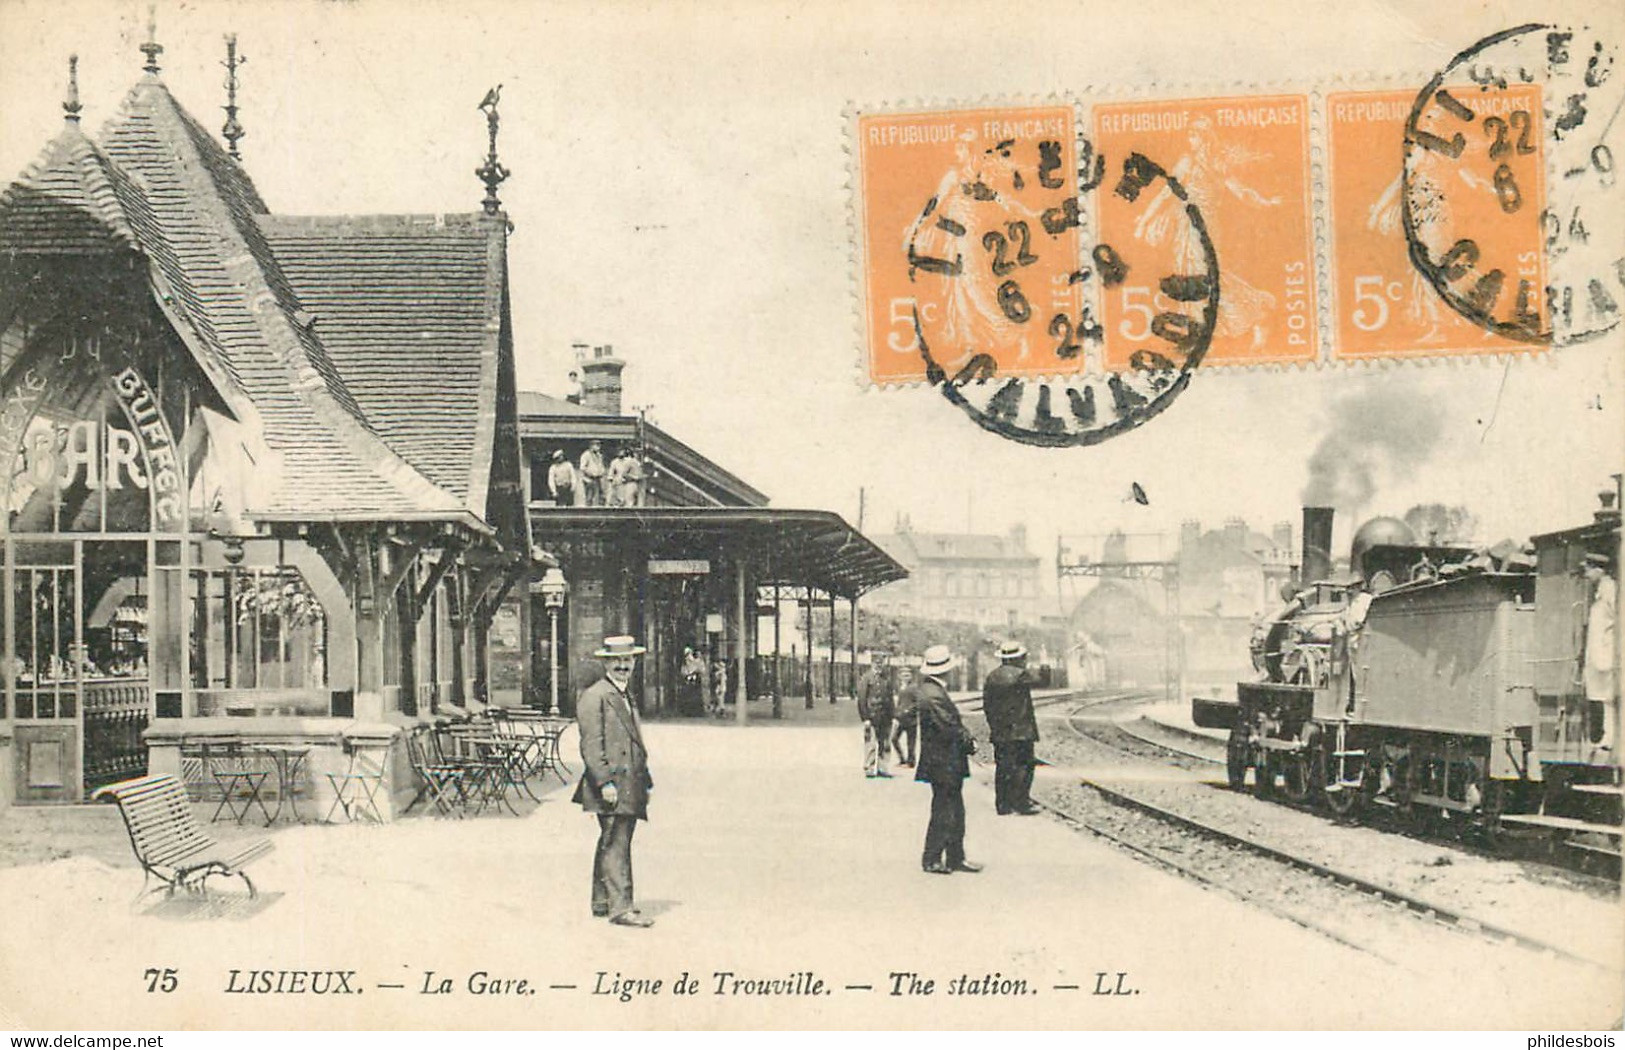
pixel 907 726
pixel 615 780
pixel 945 750
pixel 1007 702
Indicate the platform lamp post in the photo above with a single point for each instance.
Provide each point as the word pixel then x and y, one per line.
pixel 554 587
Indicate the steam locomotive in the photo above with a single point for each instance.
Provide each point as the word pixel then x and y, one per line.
pixel 1451 684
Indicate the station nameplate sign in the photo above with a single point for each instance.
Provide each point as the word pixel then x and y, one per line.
pixel 679 567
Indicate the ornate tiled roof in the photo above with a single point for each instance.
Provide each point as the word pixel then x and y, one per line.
pixel 409 308
pixel 364 350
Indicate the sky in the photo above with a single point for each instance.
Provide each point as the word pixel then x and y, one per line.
pixel 680 189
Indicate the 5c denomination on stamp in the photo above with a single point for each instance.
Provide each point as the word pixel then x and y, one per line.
pixel 980 273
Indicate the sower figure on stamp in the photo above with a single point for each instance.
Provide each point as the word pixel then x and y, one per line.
pixel 945 750
pixel 615 781
pixel 875 707
pixel 907 724
pixel 1007 702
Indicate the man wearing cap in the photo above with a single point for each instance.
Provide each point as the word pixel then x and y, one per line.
pixel 615 780
pixel 561 480
pixel 907 726
pixel 875 707
pixel 1601 651
pixel 1007 702
pixel 945 750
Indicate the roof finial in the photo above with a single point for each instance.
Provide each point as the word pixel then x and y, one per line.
pixel 70 105
pixel 492 173
pixel 231 130
pixel 152 48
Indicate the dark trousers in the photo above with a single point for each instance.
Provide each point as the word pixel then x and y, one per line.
pixel 1012 775
pixel 882 736
pixel 945 834
pixel 612 866
pixel 905 731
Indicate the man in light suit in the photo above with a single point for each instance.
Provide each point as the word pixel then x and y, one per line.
pixel 615 780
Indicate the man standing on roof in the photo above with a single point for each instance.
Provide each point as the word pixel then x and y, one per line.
pixel 615 781
pixel 945 750
pixel 1007 703
pixel 615 479
pixel 592 475
pixel 561 480
pixel 632 478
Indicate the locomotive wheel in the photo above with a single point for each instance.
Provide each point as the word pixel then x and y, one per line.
pixel 1264 774
pixel 1295 777
pixel 1235 760
pixel 1341 799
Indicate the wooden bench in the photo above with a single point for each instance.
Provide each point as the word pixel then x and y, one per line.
pixel 170 844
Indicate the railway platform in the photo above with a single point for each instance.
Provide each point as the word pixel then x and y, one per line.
pixel 786 891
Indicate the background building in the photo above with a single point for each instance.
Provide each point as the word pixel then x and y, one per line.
pixel 988 580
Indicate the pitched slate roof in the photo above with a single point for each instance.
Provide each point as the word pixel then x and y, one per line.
pixel 409 308
pixel 377 397
pixel 71 202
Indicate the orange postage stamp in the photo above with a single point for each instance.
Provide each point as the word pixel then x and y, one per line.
pixel 969 241
pixel 1383 304
pixel 1244 162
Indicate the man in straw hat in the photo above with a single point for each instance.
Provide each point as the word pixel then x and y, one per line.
pixel 945 750
pixel 615 780
pixel 1007 702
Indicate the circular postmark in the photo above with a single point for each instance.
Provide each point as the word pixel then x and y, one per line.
pixel 1511 206
pixel 1005 276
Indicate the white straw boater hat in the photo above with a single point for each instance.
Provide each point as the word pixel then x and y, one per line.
pixel 1012 651
pixel 621 645
pixel 937 660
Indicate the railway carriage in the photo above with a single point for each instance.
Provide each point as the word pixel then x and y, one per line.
pixel 1446 683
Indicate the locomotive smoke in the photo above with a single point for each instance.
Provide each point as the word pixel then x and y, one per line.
pixel 1389 427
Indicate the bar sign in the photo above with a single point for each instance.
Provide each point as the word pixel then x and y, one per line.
pixel 679 567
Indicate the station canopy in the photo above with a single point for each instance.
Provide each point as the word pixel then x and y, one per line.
pixel 799 548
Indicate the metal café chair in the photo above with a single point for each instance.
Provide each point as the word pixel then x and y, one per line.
pixel 443 783
pixel 487 759
pixel 355 791
pixel 238 775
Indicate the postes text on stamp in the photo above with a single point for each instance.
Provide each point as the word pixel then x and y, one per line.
pixel 1244 163
pixel 1383 304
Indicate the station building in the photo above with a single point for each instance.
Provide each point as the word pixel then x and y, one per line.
pixel 260 474
pixel 262 478
pixel 697 560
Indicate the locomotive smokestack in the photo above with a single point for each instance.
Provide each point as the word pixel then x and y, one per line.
pixel 1317 544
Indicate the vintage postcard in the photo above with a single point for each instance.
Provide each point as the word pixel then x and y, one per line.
pixel 810 516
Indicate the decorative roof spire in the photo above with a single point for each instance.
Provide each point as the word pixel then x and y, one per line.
pixel 70 105
pixel 152 48
pixel 231 129
pixel 492 173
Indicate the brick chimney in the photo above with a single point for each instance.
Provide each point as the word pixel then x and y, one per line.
pixel 601 380
pixel 1018 538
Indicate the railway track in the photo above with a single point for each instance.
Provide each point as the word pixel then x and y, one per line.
pixel 1309 893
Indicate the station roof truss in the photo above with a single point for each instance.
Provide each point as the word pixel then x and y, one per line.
pixel 788 547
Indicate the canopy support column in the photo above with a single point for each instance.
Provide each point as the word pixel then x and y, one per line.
pixel 831 646
pixel 778 690
pixel 741 686
pixel 852 604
